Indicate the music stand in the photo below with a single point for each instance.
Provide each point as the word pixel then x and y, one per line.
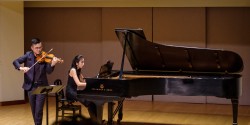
pixel 46 90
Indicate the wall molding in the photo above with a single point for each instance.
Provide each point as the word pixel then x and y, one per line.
pixel 15 102
pixel 139 3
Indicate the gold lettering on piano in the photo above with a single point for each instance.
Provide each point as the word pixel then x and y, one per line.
pixel 102 88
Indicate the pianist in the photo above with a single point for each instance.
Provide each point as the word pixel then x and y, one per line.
pixel 75 78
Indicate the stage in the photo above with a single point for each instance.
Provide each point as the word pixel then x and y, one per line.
pixel 142 113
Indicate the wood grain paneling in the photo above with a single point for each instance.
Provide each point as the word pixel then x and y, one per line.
pixel 179 26
pixel 70 31
pixel 122 18
pixel 229 29
pixel 90 31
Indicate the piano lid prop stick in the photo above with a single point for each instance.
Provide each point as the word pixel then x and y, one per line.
pixel 123 56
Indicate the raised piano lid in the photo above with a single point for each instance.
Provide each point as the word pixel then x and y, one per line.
pixel 144 55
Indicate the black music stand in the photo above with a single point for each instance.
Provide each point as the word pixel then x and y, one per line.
pixel 46 90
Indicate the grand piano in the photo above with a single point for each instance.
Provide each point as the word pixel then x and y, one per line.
pixel 164 70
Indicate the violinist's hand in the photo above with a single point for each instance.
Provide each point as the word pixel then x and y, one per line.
pixel 54 61
pixel 24 69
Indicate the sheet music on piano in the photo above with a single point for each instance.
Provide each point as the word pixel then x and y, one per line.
pixel 105 70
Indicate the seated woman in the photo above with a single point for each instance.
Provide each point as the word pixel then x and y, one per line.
pixel 75 78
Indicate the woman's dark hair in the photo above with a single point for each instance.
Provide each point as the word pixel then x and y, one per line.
pixel 76 60
pixel 35 41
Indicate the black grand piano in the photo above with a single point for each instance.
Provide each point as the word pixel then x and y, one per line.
pixel 164 70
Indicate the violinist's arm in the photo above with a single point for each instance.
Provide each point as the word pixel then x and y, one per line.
pixel 24 69
pixel 49 68
pixel 17 63
pixel 54 61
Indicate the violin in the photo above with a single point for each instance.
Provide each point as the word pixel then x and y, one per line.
pixel 46 57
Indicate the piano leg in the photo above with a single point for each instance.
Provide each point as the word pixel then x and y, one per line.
pixel 120 113
pixel 235 110
pixel 110 113
pixel 99 112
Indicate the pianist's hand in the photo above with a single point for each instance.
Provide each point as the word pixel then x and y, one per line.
pixel 82 78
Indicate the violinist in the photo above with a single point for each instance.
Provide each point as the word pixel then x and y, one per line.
pixel 35 74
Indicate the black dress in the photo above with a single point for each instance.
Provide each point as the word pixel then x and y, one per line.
pixel 71 95
pixel 71 89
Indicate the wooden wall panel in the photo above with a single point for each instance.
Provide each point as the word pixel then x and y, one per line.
pixel 70 31
pixel 229 29
pixel 137 3
pixel 179 26
pixel 182 27
pixel 90 31
pixel 123 18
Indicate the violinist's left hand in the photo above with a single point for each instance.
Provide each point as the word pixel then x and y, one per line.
pixel 54 61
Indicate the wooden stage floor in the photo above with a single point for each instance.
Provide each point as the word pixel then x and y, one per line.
pixel 142 113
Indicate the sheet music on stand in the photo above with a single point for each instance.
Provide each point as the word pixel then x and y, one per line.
pixel 47 90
